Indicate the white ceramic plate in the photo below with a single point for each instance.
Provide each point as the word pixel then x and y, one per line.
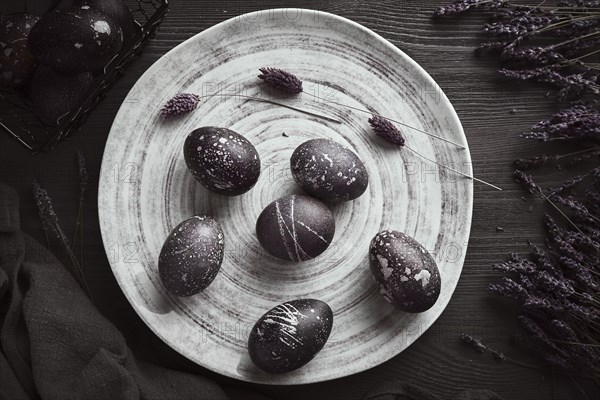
pixel 146 190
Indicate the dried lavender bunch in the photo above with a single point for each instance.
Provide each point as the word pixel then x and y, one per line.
pixel 181 103
pixel 558 288
pixel 570 33
pixel 281 79
pixel 386 130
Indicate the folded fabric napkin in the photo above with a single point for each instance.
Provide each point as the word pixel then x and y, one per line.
pixel 56 345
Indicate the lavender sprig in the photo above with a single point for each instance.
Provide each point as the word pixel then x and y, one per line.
pixel 570 85
pixel 46 212
pixel 83 182
pixel 284 78
pixel 527 181
pixel 49 220
pixel 82 173
pixel 181 103
pixel 280 79
pixel 479 347
pixel 520 25
pixel 580 122
pixel 461 6
pixel 386 130
pixel 390 133
pixel 534 162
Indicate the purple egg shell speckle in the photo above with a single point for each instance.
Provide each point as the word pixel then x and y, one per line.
pixel 295 228
pixel 329 171
pixel 222 160
pixel 290 335
pixel 118 10
pixel 16 62
pixel 191 256
pixel 407 274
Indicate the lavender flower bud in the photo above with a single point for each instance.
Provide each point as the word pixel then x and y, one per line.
pixel 386 130
pixel 82 172
pixel 534 162
pixel 509 288
pixel 540 336
pixel 566 187
pixel 181 103
pixel 578 123
pixel 527 181
pixel 460 6
pixel 281 79
pixel 473 342
pixel 572 85
pixel 557 287
pixel 46 211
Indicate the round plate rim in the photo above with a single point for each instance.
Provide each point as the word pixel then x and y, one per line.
pixel 104 172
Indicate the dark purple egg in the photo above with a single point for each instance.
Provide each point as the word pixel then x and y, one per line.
pixel 191 256
pixel 118 10
pixel 54 94
pixel 222 160
pixel 407 274
pixel 329 171
pixel 290 335
pixel 75 39
pixel 16 62
pixel 295 228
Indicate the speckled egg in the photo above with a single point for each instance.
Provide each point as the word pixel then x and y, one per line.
pixel 118 10
pixel 16 62
pixel 222 160
pixel 75 39
pixel 54 94
pixel 290 335
pixel 407 274
pixel 191 256
pixel 329 171
pixel 295 228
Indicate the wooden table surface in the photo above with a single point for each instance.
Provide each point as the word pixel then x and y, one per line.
pixel 493 112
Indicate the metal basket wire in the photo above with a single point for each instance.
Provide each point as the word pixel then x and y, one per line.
pixel 18 118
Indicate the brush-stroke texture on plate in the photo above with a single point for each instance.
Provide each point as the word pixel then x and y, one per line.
pixel 146 190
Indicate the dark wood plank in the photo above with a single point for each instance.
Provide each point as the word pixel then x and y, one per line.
pixel 483 102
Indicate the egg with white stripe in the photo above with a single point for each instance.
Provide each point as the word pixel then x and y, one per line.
pixel 191 256
pixel 222 160
pixel 328 170
pixel 295 228
pixel 290 335
pixel 407 274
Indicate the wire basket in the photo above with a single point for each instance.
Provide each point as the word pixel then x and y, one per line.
pixel 18 118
